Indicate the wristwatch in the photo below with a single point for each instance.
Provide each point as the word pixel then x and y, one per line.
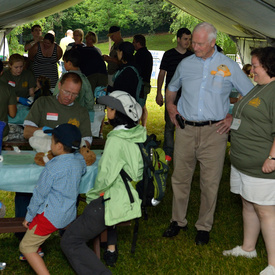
pixel 269 157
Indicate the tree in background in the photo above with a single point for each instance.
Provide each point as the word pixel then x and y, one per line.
pixel 182 19
pixel 133 16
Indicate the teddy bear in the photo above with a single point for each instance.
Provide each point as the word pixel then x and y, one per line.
pixel 222 70
pixel 41 142
pixel 42 158
pixel 89 156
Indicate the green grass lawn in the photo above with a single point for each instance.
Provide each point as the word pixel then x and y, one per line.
pixel 160 42
pixel 155 254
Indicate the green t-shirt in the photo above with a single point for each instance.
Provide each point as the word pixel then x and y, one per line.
pixel 20 84
pixel 7 97
pixel 252 141
pixel 47 111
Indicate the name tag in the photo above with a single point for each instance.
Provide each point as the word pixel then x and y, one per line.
pixel 52 116
pixel 11 83
pixel 235 124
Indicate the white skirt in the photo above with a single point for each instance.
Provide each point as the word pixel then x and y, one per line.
pixel 256 190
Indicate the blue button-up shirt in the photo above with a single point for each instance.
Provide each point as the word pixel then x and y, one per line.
pixel 57 189
pixel 206 96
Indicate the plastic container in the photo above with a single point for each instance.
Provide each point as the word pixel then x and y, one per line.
pixel 2 265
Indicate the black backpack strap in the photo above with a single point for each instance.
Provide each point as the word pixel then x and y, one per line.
pixel 147 165
pixel 126 178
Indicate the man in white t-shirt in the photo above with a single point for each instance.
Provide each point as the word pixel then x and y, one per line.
pixel 63 44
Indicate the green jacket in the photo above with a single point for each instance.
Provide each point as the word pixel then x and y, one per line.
pixel 120 152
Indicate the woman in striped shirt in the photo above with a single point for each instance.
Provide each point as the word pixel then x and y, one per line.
pixel 45 56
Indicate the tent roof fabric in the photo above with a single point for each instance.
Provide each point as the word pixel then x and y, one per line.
pixel 17 12
pixel 247 18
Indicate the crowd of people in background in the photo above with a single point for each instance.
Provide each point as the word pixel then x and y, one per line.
pixel 200 79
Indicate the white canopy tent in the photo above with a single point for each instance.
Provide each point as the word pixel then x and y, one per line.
pixel 250 23
pixel 17 12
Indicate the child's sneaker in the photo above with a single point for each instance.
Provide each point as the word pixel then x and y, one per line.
pixel 39 251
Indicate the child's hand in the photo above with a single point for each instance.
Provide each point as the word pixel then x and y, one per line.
pixel 26 224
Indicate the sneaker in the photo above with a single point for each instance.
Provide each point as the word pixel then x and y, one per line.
pixel 173 230
pixel 238 251
pixel 110 257
pixel 39 251
pixel 269 270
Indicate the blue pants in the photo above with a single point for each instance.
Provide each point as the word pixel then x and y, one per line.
pixel 21 200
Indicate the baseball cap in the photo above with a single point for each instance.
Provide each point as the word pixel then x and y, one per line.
pixel 67 134
pixel 112 30
pixel 122 102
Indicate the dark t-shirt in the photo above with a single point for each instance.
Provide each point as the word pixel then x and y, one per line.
pixel 126 81
pixel 91 62
pixel 7 97
pixel 170 61
pixel 20 84
pixel 144 63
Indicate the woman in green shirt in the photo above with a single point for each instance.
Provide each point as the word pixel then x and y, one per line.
pixel 253 159
pixel 20 80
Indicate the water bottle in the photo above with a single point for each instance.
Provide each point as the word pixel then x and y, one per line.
pixel 155 202
pixel 2 266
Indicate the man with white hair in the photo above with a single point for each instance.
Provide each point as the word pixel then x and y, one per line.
pixel 63 45
pixel 202 123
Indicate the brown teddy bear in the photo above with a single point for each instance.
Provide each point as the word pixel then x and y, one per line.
pixel 89 156
pixel 42 158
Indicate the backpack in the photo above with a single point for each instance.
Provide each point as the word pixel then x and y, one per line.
pixel 151 188
pixel 140 97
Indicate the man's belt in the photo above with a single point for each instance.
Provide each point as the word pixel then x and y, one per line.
pixel 201 123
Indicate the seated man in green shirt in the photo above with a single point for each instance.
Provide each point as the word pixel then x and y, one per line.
pixel 51 111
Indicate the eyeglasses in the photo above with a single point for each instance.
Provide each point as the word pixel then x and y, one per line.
pixel 69 94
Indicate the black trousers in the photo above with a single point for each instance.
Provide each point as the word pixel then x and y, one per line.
pixel 74 241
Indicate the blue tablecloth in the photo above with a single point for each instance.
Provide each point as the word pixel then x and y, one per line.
pixel 23 177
